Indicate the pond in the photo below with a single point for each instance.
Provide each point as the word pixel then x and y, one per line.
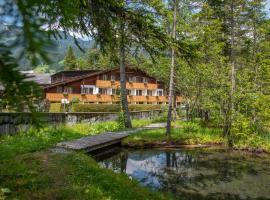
pixel 196 173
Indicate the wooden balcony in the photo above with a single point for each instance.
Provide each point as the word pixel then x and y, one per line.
pixel 129 85
pixel 57 97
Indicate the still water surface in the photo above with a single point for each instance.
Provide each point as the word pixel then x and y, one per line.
pixel 196 173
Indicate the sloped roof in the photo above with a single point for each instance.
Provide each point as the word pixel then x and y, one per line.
pixel 79 78
pixel 40 79
pixel 90 75
pixel 76 72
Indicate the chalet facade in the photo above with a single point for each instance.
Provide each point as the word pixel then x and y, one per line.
pixel 104 87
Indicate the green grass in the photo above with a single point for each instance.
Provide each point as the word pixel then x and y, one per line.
pixel 46 175
pixel 47 137
pixel 187 133
pixel 29 171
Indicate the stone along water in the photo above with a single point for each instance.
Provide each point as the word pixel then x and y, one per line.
pixel 196 173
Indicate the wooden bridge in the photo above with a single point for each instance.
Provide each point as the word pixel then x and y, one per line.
pixel 92 143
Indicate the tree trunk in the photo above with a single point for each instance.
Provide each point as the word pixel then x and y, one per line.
pixel 233 74
pixel 124 101
pixel 171 86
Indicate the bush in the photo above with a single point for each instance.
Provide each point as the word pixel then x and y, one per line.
pixel 55 107
pixel 161 118
pixel 190 127
pixel 112 107
pixel 95 108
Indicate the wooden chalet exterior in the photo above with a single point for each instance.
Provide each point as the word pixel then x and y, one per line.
pixel 104 87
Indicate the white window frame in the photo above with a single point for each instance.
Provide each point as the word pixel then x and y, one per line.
pixel 138 95
pixel 113 78
pixel 145 79
pixel 160 90
pixel 68 89
pixel 87 87
pixel 152 92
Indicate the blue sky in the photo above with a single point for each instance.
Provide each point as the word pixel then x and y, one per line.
pixel 268 6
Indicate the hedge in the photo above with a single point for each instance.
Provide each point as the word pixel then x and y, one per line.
pixel 112 107
pixel 56 107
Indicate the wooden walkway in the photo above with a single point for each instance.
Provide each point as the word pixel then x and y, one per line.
pixel 91 143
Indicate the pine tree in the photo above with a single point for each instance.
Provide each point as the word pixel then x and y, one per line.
pixel 70 60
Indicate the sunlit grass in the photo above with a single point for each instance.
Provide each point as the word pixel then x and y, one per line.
pixel 185 133
pixel 29 171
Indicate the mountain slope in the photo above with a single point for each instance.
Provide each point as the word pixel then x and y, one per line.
pixel 56 53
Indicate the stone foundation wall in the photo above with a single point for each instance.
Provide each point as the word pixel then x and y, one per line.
pixel 12 123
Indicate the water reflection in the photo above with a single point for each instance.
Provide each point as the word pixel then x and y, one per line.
pixel 196 174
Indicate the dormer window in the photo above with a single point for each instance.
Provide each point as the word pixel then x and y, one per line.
pixel 145 80
pixel 139 79
pixel 113 78
pixel 104 77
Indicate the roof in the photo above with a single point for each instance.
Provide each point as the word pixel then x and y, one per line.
pixel 89 75
pixel 76 72
pixel 40 79
pixel 79 78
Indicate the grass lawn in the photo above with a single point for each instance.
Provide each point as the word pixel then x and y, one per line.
pixel 28 170
pixel 185 133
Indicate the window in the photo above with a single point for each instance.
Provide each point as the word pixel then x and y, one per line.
pixel 160 92
pixel 139 79
pixel 115 91
pixel 145 80
pixel 150 93
pixel 128 92
pixel 59 89
pixel 103 91
pixel 117 78
pixel 88 90
pixel 104 77
pixel 112 77
pixel 131 79
pixel 138 92
pixel 68 90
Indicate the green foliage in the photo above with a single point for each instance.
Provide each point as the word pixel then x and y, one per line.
pixel 191 127
pixel 46 137
pixel 70 62
pixel 42 68
pixel 121 120
pixel 55 107
pixel 28 170
pixel 19 94
pixel 198 135
pixel 161 118
pixel 112 107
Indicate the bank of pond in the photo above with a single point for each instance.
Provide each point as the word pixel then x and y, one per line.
pixel 31 168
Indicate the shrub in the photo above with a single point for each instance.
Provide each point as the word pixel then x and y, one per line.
pixel 95 108
pixel 191 127
pixel 161 118
pixel 112 107
pixel 55 107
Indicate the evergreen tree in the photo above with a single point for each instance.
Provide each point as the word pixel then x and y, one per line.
pixel 70 60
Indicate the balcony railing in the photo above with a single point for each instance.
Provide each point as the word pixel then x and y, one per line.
pixel 129 85
pixel 57 97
